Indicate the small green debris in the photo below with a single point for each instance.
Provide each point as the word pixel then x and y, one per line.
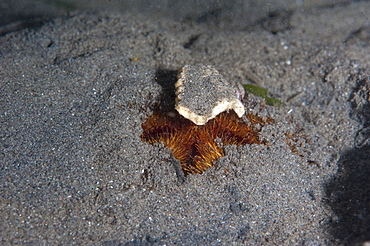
pixel 262 92
pixel 63 5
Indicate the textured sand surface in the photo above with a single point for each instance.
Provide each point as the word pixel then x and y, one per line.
pixel 75 91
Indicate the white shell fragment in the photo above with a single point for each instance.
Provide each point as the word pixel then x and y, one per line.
pixel 203 93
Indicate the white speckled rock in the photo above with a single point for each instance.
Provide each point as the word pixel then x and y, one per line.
pixel 203 93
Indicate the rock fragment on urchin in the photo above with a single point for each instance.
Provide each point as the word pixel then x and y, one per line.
pixel 203 93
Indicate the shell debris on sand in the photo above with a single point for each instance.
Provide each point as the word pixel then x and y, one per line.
pixel 203 93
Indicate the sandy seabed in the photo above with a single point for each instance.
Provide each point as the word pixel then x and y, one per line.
pixel 75 91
